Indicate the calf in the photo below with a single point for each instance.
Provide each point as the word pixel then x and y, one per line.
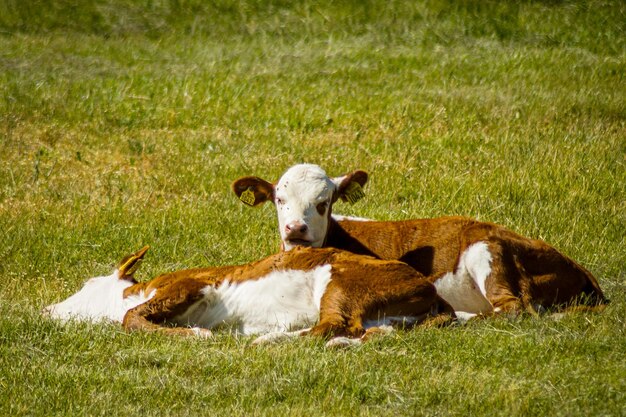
pixel 338 293
pixel 477 267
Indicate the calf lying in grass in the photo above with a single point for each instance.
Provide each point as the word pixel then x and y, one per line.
pixel 477 267
pixel 319 292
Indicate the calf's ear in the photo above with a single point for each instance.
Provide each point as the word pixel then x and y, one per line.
pixel 253 190
pixel 350 186
pixel 131 263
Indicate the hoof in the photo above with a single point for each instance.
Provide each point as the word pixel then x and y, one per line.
pixel 342 343
pixel 270 338
pixel 383 330
pixel 202 333
pixel 276 337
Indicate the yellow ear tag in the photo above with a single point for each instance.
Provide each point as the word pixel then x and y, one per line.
pixel 247 197
pixel 130 266
pixel 354 192
pixel 133 268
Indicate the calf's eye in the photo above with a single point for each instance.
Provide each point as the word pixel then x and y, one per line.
pixel 321 208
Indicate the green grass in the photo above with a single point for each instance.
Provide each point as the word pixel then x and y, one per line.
pixel 123 123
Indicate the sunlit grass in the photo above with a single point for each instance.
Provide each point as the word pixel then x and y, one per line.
pixel 124 123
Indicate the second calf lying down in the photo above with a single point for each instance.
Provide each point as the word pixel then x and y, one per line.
pixel 319 292
pixel 478 267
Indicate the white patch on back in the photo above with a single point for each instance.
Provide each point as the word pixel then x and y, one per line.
pixel 465 289
pixel 100 298
pixel 339 217
pixel 279 302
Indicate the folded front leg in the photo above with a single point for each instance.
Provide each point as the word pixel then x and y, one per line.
pixel 169 301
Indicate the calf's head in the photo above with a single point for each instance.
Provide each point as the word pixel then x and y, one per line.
pixel 100 297
pixel 303 197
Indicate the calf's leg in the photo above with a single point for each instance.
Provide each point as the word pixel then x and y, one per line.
pixel 371 291
pixel 168 302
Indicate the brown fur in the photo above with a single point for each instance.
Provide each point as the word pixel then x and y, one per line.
pixel 525 272
pixel 361 288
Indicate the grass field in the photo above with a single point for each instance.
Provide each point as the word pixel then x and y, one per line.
pixel 123 123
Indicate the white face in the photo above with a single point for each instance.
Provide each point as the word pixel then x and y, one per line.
pixel 303 198
pixel 100 298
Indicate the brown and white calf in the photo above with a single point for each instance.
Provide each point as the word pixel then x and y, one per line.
pixel 320 292
pixel 477 267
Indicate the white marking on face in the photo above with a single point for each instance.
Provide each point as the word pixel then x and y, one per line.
pixel 465 288
pixel 303 199
pixel 100 298
pixel 278 302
